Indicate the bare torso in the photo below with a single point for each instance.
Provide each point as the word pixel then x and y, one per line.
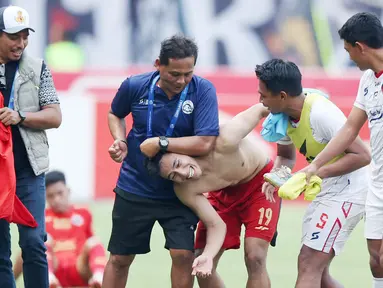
pixel 230 166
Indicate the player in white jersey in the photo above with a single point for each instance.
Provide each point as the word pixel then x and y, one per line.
pixel 363 40
pixel 313 122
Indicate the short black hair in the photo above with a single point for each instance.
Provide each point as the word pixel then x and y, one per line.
pixel 363 27
pixel 152 165
pixel 53 177
pixel 279 75
pixel 178 47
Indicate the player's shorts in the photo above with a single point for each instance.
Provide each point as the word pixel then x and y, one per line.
pixel 67 274
pixel 373 228
pixel 133 219
pixel 243 204
pixel 327 224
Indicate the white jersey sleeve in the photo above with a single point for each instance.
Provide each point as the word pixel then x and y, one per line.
pixel 371 95
pixel 360 101
pixel 326 120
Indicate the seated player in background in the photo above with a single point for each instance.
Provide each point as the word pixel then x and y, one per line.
pixel 76 258
pixel 234 171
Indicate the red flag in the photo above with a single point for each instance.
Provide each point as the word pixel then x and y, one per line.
pixel 11 208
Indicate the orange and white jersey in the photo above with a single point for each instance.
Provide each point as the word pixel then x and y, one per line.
pixel 68 231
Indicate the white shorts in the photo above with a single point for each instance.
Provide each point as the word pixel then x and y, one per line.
pixel 328 224
pixel 373 228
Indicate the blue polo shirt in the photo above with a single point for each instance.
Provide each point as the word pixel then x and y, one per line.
pixel 198 117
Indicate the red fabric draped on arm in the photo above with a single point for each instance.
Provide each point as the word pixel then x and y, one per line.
pixel 11 208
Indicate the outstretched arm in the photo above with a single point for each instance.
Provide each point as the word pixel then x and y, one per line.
pixel 232 132
pixel 357 156
pixel 346 135
pixel 216 228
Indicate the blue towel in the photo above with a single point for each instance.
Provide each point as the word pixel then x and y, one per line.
pixel 275 127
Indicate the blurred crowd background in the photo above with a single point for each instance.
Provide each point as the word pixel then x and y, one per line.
pixel 237 33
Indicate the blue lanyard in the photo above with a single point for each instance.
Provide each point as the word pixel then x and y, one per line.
pixel 169 131
pixel 11 103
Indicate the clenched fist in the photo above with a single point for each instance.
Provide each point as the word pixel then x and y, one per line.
pixel 118 151
pixel 9 116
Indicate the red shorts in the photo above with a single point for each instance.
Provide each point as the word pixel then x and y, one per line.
pixel 243 204
pixel 67 273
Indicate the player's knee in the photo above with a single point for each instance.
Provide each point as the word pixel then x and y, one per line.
pixel 255 261
pixel 92 242
pixel 376 259
pixel 181 257
pixel 305 260
pixel 380 263
pixel 375 262
pixel 121 262
pixel 309 262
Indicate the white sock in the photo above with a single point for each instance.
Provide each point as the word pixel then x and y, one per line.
pixel 377 282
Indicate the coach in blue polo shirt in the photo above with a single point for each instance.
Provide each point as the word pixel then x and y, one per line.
pixel 173 110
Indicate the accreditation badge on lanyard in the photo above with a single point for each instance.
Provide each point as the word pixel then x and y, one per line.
pixel 11 104
pixel 169 131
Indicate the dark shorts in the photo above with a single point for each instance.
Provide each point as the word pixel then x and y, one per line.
pixel 133 219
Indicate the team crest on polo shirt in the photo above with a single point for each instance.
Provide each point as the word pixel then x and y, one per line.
pixel 77 220
pixel 188 107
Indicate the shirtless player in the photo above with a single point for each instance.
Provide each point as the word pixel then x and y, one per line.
pixel 234 169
